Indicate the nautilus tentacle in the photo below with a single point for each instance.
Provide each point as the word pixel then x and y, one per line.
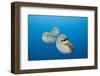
pixel 63 44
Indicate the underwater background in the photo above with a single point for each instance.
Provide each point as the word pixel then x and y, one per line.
pixel 76 29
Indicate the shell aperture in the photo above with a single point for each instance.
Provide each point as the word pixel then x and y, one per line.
pixel 63 44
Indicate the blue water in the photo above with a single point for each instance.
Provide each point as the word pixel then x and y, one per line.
pixel 76 29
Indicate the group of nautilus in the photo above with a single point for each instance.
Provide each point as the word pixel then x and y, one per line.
pixel 62 42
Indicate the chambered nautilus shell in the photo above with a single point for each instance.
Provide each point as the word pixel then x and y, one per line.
pixel 50 37
pixel 63 44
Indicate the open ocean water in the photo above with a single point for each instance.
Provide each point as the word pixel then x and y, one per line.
pixel 76 29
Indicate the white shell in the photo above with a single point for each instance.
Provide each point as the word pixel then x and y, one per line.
pixel 54 31
pixel 49 37
pixel 64 47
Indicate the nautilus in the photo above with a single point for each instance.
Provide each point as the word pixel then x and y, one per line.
pixel 50 37
pixel 63 44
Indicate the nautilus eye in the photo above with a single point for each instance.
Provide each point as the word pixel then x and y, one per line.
pixel 63 44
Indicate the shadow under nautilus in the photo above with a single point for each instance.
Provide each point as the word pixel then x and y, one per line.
pixel 63 44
